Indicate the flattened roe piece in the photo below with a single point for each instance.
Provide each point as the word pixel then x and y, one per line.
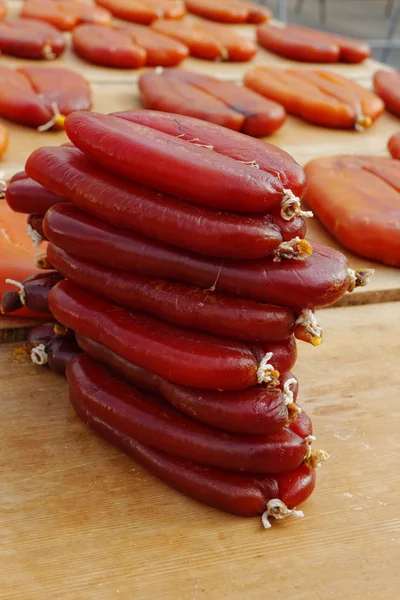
pixel 67 89
pixel 357 198
pixel 210 99
pixel 28 38
pixel 107 46
pixel 35 96
pixel 319 97
pixel 161 50
pixel 387 86
pixel 233 11
pixel 18 100
pixel 350 50
pixel 208 41
pixel 394 145
pixel 310 45
pixel 65 15
pixel 144 11
pixel 175 96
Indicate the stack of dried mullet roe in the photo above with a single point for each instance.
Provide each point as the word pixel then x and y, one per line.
pixel 186 279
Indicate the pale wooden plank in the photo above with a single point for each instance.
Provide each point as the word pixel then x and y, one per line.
pixel 79 520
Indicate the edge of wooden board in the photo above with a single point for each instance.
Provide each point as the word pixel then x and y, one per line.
pixel 16 329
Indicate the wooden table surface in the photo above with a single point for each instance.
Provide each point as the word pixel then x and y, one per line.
pixel 79 521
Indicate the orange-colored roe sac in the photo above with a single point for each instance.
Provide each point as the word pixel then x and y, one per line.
pixel 127 47
pixel 161 50
pixel 387 86
pixel 208 41
pixel 29 38
pixel 234 11
pixel 16 251
pixel 209 99
pixel 65 15
pixel 42 96
pixel 107 46
pixel 394 145
pixel 144 11
pixel 357 198
pixel 320 97
pixel 310 45
pixel 4 138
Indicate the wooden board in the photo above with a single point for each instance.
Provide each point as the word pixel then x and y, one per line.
pixel 15 329
pixel 80 520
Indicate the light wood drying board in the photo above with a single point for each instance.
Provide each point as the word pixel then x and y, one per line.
pixel 81 521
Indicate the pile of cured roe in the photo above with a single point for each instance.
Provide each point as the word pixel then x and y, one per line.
pixel 178 263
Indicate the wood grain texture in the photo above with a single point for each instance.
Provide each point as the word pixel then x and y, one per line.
pixel 15 329
pixel 80 520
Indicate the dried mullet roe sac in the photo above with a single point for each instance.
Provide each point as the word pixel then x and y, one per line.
pixel 310 45
pixel 234 11
pixel 41 97
pixel 387 86
pixel 357 198
pixel 320 97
